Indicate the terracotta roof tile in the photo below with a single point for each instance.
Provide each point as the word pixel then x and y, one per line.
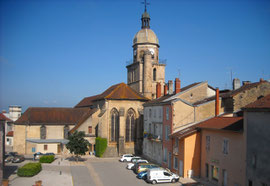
pixel 86 102
pixel 222 123
pixel 121 91
pixel 10 134
pixel 59 116
pixel 116 92
pixel 262 103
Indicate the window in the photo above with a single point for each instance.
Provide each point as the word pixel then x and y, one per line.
pixel 66 129
pixel 170 160
pixel 167 132
pixel 165 158
pixel 45 147
pixel 154 74
pixel 214 173
pixel 33 149
pixel 264 184
pixel 167 113
pixel 253 161
pixel 224 175
pixel 167 174
pixel 206 170
pixel 89 129
pixel 249 182
pixel 150 113
pixel 155 113
pixel 43 132
pixel 114 127
pixel 160 113
pixel 207 143
pixel 130 125
pixel 175 163
pixel 225 146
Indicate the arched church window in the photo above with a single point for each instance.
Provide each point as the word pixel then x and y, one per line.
pixel 130 126
pixel 114 125
pixel 154 74
pixel 43 132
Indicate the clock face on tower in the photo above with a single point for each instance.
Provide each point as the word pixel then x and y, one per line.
pixel 152 51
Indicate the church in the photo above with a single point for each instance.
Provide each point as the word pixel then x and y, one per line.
pixel 120 108
pixel 116 114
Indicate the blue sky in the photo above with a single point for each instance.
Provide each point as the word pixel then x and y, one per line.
pixel 53 53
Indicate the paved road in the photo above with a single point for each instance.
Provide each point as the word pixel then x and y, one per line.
pixel 111 172
pixel 81 176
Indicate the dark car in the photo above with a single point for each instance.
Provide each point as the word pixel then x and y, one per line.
pixel 38 155
pixel 18 159
pixel 49 153
pixel 9 157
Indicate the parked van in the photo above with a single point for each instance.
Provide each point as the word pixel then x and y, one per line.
pixel 160 175
pixel 144 166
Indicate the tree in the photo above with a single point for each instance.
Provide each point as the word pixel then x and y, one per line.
pixel 77 144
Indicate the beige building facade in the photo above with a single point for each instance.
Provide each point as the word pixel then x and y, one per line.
pixel 46 129
pixel 222 151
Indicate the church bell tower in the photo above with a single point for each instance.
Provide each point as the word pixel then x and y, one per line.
pixel 145 71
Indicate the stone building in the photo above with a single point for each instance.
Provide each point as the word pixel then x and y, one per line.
pixel 46 129
pixel 249 92
pixel 118 119
pixel 146 70
pixel 256 131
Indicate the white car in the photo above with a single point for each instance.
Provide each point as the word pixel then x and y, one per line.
pixel 160 175
pixel 131 165
pixel 126 157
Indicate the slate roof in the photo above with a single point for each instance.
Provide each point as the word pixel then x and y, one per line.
pixel 53 116
pixel 119 91
pixel 4 118
pixel 262 103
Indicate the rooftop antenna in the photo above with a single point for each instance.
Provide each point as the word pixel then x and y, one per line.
pixel 145 5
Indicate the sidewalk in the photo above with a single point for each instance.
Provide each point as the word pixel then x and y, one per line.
pixel 56 173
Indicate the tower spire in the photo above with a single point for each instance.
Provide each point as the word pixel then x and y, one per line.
pixel 145 17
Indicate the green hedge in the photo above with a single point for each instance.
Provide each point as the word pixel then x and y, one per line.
pixel 46 159
pixel 101 145
pixel 29 170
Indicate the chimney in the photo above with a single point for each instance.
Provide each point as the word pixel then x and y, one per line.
pixel 170 83
pixel 177 85
pixel 165 89
pixel 217 102
pixel 158 90
pixel 236 83
pixel 261 80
